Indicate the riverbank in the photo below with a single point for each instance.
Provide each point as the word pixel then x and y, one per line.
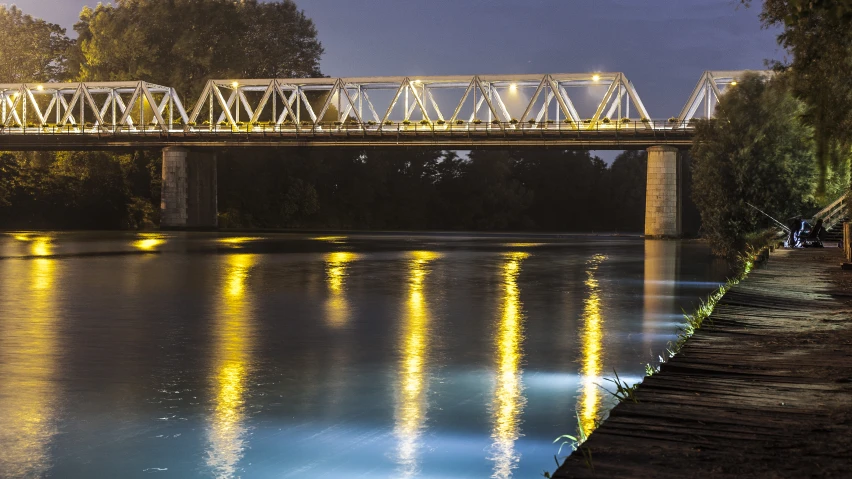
pixel 763 389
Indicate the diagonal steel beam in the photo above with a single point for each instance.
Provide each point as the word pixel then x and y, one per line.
pixel 463 99
pixel 533 99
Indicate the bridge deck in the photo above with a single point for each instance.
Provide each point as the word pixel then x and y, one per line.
pixel 469 137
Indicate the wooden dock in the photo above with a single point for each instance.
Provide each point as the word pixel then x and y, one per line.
pixel 763 391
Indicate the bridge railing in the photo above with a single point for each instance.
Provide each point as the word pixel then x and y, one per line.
pixel 440 127
pixel 833 213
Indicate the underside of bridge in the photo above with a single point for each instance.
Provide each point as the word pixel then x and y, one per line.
pixel 189 191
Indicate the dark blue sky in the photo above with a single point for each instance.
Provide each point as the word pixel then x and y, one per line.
pixel 662 45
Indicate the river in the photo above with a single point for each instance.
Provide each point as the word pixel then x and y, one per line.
pixel 183 355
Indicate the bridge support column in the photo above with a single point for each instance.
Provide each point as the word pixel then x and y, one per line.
pixel 188 197
pixel 662 194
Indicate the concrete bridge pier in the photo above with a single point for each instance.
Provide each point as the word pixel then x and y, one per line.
pixel 188 197
pixel 663 193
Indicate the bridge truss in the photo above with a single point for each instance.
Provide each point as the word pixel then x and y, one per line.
pixel 89 107
pixel 540 100
pixel 705 95
pixel 592 109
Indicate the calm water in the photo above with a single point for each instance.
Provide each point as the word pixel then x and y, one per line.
pixel 294 356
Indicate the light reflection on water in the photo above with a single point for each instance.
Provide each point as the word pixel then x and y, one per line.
pixel 232 363
pixel 149 241
pixel 413 383
pixel 28 389
pixel 508 403
pixel 337 307
pixel 341 356
pixel 591 335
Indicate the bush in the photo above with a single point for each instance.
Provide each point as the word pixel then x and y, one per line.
pixel 756 151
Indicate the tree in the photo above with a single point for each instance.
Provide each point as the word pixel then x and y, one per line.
pixel 756 150
pixel 818 34
pixel 627 201
pixel 31 50
pixel 184 43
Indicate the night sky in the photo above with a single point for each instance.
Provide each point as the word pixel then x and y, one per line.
pixel 662 46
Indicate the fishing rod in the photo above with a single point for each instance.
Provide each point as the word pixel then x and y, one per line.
pixel 784 227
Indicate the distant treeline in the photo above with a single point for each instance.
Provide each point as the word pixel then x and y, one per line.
pixel 412 189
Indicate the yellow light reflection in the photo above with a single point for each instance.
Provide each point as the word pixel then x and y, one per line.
pixel 412 382
pixel 233 336
pixel 661 266
pixel 29 344
pixel 591 337
pixel 237 240
pixel 330 239
pixel 508 402
pixel 149 241
pixel 22 236
pixel 41 246
pixel 336 266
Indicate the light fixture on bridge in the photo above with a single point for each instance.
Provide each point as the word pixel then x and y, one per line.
pixel 417 81
pixel 734 83
pixel 596 77
pixel 513 87
pixel 235 84
pixel 40 88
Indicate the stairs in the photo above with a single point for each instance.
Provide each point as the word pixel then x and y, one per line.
pixel 834 234
pixel 833 217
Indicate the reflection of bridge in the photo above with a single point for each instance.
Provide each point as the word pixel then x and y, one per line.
pixel 577 111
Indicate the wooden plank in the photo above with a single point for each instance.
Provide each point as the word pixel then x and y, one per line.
pixel 763 389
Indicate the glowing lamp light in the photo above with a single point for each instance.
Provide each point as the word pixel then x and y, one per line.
pixel 596 77
pixel 734 83
pixel 235 84
pixel 513 87
pixel 40 88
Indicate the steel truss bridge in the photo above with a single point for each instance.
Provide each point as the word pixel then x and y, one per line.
pixel 585 110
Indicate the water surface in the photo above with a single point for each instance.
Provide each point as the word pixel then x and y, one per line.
pixel 205 355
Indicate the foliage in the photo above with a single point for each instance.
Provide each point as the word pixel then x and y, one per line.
pixel 423 189
pixel 757 151
pixel 818 34
pixel 31 50
pixel 78 190
pixel 184 43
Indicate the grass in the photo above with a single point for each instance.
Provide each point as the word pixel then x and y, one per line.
pixel 623 390
pixel 753 254
pixel 576 443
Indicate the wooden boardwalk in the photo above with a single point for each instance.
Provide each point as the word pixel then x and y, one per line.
pixel 763 391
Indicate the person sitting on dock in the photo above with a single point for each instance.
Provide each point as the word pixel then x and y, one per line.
pixel 795 227
pixel 814 238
